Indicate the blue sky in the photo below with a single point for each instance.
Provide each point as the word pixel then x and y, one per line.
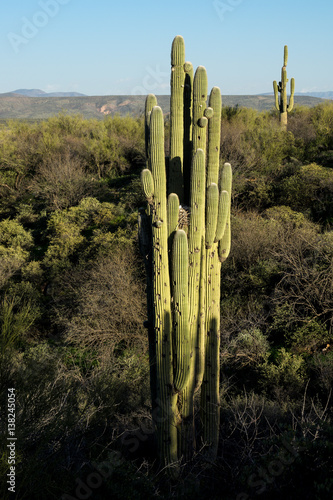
pixel 103 47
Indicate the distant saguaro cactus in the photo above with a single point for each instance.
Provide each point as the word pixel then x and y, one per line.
pixel 282 105
pixel 184 237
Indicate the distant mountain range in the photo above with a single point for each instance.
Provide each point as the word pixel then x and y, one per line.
pixel 41 93
pixel 322 95
pixel 38 105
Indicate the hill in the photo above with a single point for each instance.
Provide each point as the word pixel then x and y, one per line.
pixel 323 95
pixel 41 93
pixel 17 106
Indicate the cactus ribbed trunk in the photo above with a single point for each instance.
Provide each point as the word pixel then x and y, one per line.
pixel 176 182
pixel 184 237
pixel 167 399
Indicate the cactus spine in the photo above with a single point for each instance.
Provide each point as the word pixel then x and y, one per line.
pixel 184 235
pixel 282 105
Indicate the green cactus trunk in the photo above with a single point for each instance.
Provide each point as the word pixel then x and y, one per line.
pixel 184 236
pixel 162 294
pixel 282 105
pixel 176 168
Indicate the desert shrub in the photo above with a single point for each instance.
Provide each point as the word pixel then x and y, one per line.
pixel 255 146
pixel 304 256
pixel 85 230
pixel 253 236
pixel 64 124
pixel 309 337
pixel 101 304
pixel 51 407
pixel 293 461
pixel 284 376
pixel 130 132
pixel 18 154
pixel 70 146
pixel 25 212
pixel 312 131
pixel 15 243
pixel 310 190
pixel 17 315
pixel 249 275
pixel 11 261
pixel 32 272
pixel 247 349
pixel 250 422
pixel 13 235
pixel 321 365
pixel 279 280
pixel 251 271
pixel 322 119
pixel 64 239
pixel 300 125
pixel 106 148
pixel 61 182
pixel 67 416
pixel 235 148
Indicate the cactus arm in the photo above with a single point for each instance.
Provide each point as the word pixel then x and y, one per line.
pixel 145 245
pixel 225 178
pixel 188 113
pixel 210 400
pixel 214 135
pixel 180 310
pixel 151 101
pixel 225 243
pixel 161 294
pixel 284 81
pixel 172 214
pixel 285 55
pixel 197 222
pixel 201 335
pixel 212 203
pixel 200 84
pixel 195 242
pixel 175 177
pixel 226 185
pixel 292 92
pixel 224 206
pixel 210 397
pixel 147 182
pixel 276 95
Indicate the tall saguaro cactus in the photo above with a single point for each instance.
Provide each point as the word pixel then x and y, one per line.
pixel 282 105
pixel 184 236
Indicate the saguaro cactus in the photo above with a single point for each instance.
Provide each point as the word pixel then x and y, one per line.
pixel 282 106
pixel 184 236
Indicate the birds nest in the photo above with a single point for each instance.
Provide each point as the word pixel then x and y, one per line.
pixel 183 217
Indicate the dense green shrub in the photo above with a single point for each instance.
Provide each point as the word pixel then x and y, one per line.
pixel 285 375
pixel 310 190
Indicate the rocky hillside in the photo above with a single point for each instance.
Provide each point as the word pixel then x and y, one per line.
pixel 14 105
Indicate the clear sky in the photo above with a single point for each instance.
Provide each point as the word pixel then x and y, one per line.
pixel 103 47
